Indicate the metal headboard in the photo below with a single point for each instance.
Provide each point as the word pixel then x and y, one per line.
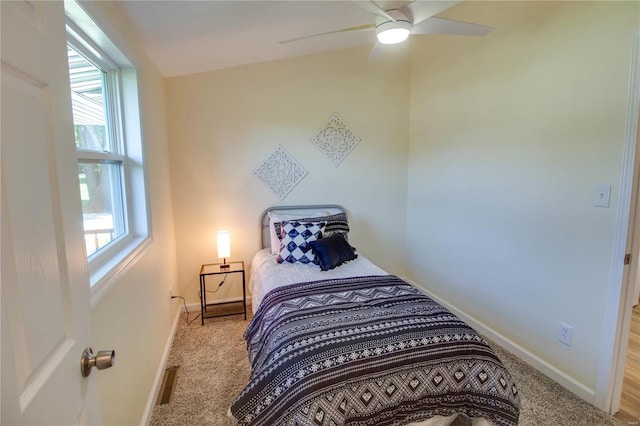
pixel 305 209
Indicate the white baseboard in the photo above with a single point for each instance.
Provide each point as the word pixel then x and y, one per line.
pixel 157 381
pixel 148 409
pixel 534 361
pixel 231 299
pixel 195 307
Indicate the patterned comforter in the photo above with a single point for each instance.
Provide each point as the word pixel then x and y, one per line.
pixel 367 351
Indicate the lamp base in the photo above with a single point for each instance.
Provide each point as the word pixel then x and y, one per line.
pixel 224 264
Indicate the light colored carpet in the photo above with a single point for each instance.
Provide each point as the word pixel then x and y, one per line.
pixel 214 369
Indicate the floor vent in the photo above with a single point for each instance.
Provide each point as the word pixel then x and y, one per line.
pixel 168 385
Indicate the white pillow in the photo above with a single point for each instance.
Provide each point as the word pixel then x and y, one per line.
pixel 280 217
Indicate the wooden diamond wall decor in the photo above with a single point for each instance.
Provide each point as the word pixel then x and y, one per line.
pixel 335 139
pixel 280 172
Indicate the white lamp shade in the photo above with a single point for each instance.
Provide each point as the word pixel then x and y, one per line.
pixel 224 244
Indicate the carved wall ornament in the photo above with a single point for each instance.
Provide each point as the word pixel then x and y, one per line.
pixel 335 139
pixel 280 172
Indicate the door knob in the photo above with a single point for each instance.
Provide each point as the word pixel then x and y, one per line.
pixel 102 360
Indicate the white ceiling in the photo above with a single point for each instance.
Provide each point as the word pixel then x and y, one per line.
pixel 185 37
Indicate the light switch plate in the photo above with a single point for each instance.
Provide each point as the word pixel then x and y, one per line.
pixel 602 195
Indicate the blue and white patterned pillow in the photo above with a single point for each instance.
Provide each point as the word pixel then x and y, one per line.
pixel 294 246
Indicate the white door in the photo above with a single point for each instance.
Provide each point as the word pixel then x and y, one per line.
pixel 45 289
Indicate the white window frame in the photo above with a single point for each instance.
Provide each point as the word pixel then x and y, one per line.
pixel 112 93
pixel 105 48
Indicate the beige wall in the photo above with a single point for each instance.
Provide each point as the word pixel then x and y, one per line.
pixel 224 124
pixel 478 161
pixel 509 136
pixel 135 315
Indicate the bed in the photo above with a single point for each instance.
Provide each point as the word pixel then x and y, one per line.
pixel 336 340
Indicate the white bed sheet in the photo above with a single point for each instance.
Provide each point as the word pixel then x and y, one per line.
pixel 267 274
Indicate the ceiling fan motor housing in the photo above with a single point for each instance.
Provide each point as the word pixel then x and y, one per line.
pixel 391 32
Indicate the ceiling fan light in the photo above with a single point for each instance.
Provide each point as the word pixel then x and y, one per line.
pixel 393 35
pixel 392 32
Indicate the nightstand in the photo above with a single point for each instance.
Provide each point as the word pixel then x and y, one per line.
pixel 209 269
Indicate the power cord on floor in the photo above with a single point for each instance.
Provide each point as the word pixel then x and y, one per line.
pixel 184 302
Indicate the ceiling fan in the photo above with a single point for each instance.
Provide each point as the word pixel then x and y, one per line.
pixel 416 17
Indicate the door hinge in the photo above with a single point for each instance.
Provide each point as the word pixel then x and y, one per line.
pixel 627 258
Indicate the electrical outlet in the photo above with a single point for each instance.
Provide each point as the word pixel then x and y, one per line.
pixel 602 196
pixel 566 333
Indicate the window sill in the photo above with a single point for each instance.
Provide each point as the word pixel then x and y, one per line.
pixel 105 277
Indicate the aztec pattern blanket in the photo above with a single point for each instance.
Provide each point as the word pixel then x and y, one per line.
pixel 367 351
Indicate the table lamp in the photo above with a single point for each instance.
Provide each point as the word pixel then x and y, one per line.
pixel 224 247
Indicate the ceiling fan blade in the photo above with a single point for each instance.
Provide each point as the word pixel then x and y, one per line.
pixel 344 30
pixel 371 7
pixel 422 10
pixel 435 25
pixel 376 51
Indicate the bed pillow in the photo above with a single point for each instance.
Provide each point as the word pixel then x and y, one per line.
pixel 336 224
pixel 297 236
pixel 332 251
pixel 275 217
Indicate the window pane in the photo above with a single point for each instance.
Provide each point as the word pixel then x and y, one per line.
pixel 102 205
pixel 87 98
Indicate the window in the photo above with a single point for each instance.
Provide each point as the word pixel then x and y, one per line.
pixel 106 119
pixel 99 147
